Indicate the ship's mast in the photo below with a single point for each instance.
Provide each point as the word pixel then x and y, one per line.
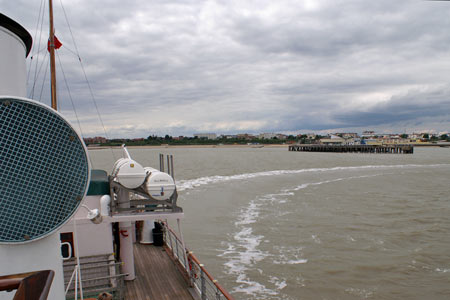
pixel 52 57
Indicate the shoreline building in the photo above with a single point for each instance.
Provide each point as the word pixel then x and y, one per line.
pixel 206 136
pixel 266 136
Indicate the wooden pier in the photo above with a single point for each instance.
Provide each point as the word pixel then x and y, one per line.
pixel 395 149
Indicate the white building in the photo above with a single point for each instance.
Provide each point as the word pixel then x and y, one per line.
pixel 281 136
pixel 333 140
pixel 266 136
pixel 208 136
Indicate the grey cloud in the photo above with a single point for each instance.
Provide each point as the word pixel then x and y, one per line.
pixel 342 27
pixel 415 107
pixel 218 64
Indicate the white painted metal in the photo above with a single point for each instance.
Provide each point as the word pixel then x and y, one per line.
pixel 94 216
pixel 43 254
pixel 13 75
pixel 146 234
pixel 184 246
pixel 125 150
pixel 69 249
pixel 78 274
pixel 159 185
pixel 128 173
pixel 93 239
pixel 126 239
pixel 126 250
pixel 133 232
pixel 144 216
pixel 105 202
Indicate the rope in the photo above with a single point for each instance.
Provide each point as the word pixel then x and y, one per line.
pixel 85 76
pixel 71 51
pixel 45 76
pixel 39 46
pixel 38 72
pixel 41 20
pixel 71 101
pixel 35 33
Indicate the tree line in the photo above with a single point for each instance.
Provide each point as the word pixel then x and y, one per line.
pixel 154 140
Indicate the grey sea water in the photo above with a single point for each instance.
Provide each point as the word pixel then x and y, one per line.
pixel 273 224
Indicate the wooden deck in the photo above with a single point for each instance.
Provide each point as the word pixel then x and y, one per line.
pixel 157 276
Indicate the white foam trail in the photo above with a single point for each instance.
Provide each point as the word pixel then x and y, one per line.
pixel 243 252
pixel 442 270
pixel 316 239
pixel 288 255
pixel 305 185
pixel 248 215
pixel 290 261
pixel 253 288
pixel 296 262
pixel 364 294
pixel 350 238
pixel 279 283
pixel 193 183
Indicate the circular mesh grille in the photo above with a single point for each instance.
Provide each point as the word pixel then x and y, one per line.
pixel 44 171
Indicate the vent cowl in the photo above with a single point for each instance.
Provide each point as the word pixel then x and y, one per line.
pixel 44 170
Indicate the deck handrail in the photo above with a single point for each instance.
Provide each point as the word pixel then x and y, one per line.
pixel 192 258
pixel 100 266
pixel 107 278
pixel 214 281
pixel 72 264
pixel 29 286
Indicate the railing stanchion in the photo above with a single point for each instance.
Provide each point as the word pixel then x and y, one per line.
pixel 184 246
pixel 217 291
pixel 161 162
pixel 176 246
pixel 168 165
pixel 171 168
pixel 199 277
pixel 203 283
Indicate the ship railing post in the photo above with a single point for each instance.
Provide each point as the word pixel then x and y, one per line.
pixel 169 235
pixel 171 168
pixel 191 268
pixel 78 274
pixel 203 282
pixel 176 246
pixel 184 247
pixel 168 165
pixel 218 297
pixel 161 162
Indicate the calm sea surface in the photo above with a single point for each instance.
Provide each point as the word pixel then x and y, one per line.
pixel 273 224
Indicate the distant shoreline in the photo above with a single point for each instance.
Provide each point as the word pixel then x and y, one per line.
pixel 231 146
pixel 188 146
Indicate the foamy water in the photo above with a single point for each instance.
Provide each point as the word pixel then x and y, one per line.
pixel 243 253
pixel 273 224
pixel 197 182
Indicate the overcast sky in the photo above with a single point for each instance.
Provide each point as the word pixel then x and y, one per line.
pixel 186 66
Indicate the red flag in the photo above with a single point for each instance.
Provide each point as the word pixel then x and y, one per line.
pixel 58 44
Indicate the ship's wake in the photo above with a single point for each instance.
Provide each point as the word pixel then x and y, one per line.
pixel 197 182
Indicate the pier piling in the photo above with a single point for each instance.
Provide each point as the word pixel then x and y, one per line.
pixel 392 149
